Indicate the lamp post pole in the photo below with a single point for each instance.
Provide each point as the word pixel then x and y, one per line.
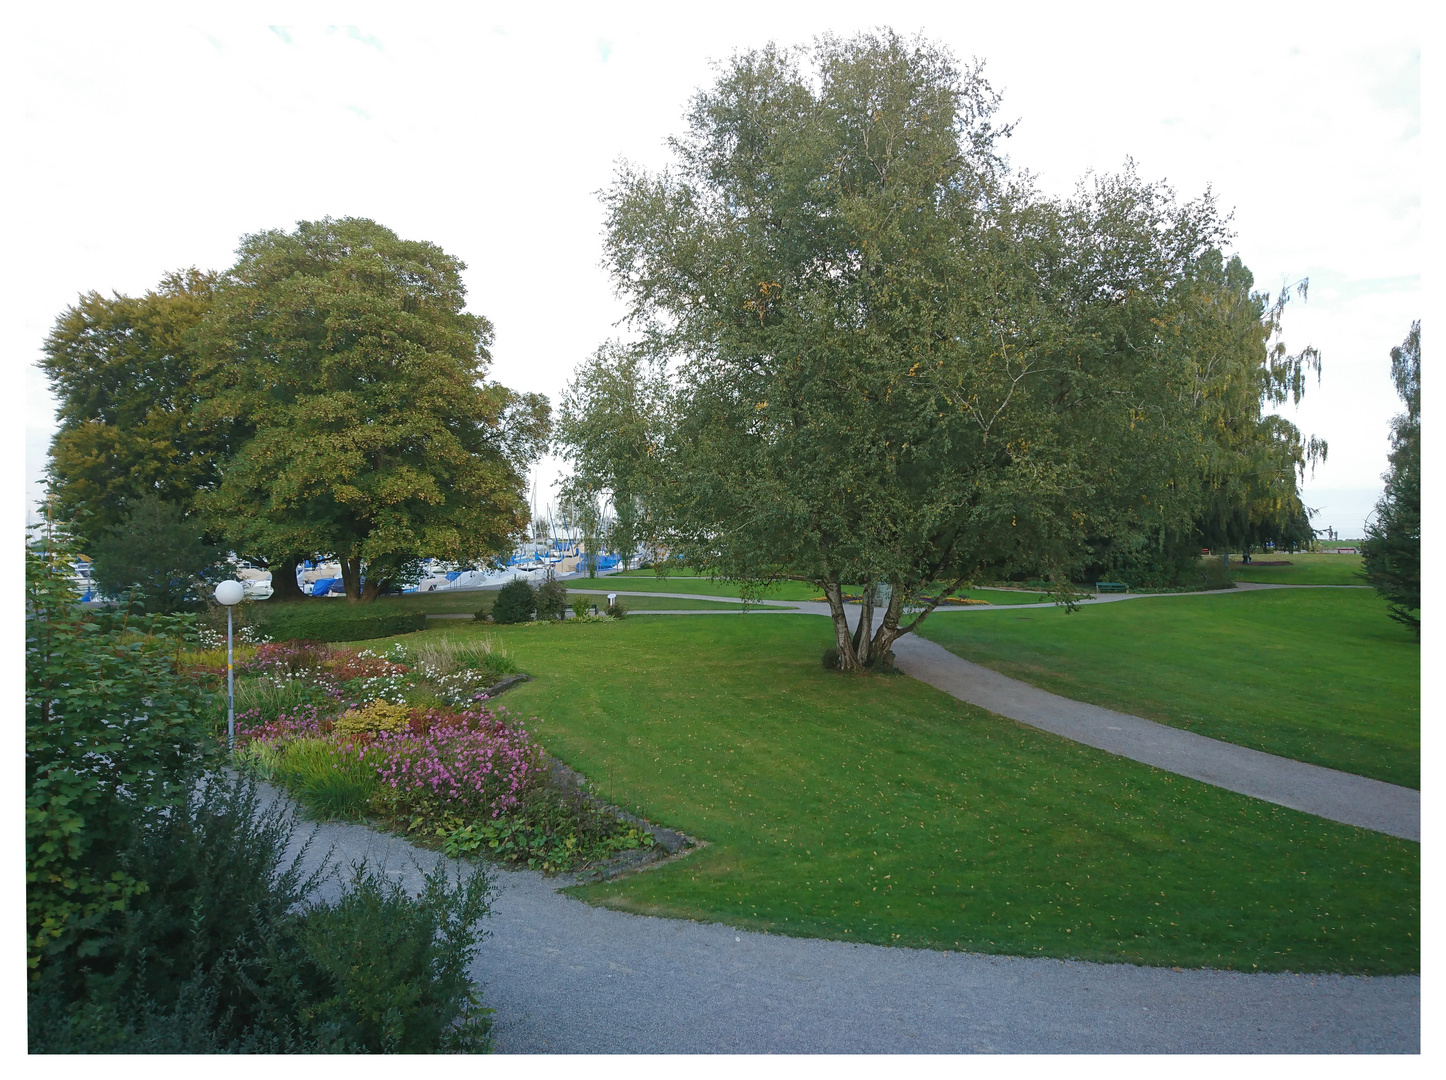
pixel 230 593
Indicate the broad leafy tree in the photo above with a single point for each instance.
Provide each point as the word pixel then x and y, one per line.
pixel 1393 539
pixel 347 356
pixel 124 370
pixel 893 361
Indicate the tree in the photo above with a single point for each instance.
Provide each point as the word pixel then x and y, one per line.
pixel 1392 552
pixel 158 554
pixel 346 354
pixel 124 370
pixel 609 426
pixel 895 361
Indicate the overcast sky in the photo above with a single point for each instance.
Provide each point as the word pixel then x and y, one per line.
pixel 150 144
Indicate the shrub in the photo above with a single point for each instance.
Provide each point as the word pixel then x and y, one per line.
pixel 516 601
pixel 830 658
pixel 616 610
pixel 224 952
pixel 372 717
pixel 112 730
pixel 325 620
pixel 581 605
pixel 551 599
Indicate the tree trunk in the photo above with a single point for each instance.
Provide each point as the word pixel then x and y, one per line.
pixel 865 628
pixel 889 625
pixel 372 589
pixel 284 588
pixel 896 633
pixel 351 579
pixel 847 659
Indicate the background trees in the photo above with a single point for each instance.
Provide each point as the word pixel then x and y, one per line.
pixel 125 373
pixel 609 428
pixel 894 361
pixel 1392 553
pixel 159 554
pixel 347 354
pixel 326 396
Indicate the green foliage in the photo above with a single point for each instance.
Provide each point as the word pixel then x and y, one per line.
pixel 581 605
pixel 227 952
pixel 551 599
pixel 616 610
pixel 124 373
pixel 334 620
pixel 332 783
pixel 609 427
pixel 160 553
pixel 112 730
pixel 271 697
pixel 397 966
pixel 1392 551
pixel 347 357
pixel 555 832
pixel 516 601
pixel 897 361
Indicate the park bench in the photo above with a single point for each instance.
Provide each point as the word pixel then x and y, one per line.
pixel 1111 586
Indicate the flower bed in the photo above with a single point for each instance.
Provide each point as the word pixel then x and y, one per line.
pixel 402 737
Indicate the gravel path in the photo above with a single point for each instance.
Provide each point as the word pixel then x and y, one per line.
pixel 569 978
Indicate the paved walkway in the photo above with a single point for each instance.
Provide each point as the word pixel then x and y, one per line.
pixel 566 977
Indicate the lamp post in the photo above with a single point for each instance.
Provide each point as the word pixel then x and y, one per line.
pixel 230 593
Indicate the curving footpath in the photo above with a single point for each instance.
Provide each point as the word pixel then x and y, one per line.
pixel 568 978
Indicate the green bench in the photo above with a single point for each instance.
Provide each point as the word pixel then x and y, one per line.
pixel 1111 586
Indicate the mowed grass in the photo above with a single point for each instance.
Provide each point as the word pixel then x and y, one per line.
pixel 1319 675
pixel 688 581
pixel 878 809
pixel 1303 570
pixel 456 603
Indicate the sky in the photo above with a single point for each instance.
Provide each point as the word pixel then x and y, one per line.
pixel 155 141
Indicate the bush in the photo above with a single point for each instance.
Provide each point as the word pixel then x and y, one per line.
pixel 224 952
pixel 516 601
pixel 581 605
pixel 551 599
pixel 830 658
pixel 372 717
pixel 112 730
pixel 327 620
pixel 616 610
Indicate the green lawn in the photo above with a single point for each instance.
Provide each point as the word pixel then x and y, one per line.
pixel 1303 570
pixel 879 809
pixel 687 581
pixel 1320 675
pixel 452 603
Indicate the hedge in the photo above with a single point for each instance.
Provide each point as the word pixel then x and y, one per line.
pixel 330 620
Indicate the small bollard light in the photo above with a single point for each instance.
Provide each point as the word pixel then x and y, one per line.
pixel 230 593
pixel 612 599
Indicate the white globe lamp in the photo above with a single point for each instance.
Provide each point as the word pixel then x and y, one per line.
pixel 230 593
